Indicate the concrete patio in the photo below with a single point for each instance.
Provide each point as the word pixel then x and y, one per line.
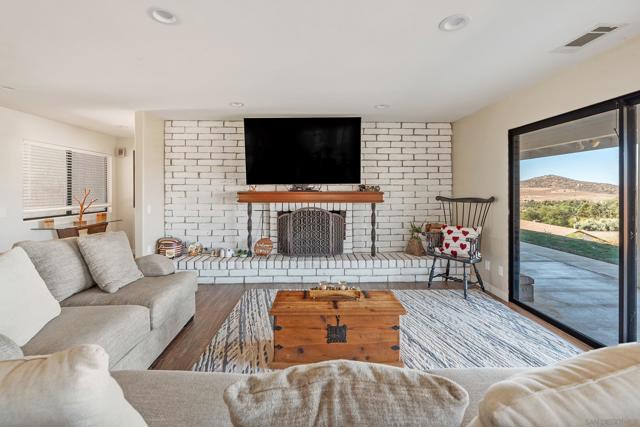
pixel 580 292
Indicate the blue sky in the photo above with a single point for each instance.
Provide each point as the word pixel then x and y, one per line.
pixel 595 166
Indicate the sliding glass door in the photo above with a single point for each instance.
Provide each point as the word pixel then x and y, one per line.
pixel 573 222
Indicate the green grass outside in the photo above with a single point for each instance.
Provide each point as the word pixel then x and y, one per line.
pixel 593 250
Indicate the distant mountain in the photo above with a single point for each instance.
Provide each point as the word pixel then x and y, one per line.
pixel 561 183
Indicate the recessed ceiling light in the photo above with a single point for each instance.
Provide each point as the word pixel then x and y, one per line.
pixel 382 106
pixel 7 88
pixel 237 104
pixel 163 16
pixel 454 22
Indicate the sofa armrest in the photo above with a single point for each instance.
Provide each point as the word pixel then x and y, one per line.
pixel 155 265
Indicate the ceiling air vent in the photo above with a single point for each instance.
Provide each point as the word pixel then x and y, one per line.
pixel 587 38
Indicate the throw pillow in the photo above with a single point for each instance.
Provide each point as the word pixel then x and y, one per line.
pixel 26 305
pixel 69 388
pixel 346 393
pixel 455 241
pixel 155 265
pixel 599 387
pixel 60 265
pixel 9 350
pixel 110 259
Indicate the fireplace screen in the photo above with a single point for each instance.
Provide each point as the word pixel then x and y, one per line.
pixel 310 232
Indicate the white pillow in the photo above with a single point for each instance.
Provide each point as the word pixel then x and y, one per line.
pixel 26 304
pixel 600 387
pixel 69 388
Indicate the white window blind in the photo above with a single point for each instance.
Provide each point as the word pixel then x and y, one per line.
pixel 54 175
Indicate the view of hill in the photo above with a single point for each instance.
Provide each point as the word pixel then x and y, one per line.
pixel 554 187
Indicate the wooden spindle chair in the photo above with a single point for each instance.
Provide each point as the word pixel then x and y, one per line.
pixel 465 212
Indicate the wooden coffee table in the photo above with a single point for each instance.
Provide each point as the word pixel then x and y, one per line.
pixel 307 330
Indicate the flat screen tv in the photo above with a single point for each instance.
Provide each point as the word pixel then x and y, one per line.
pixel 302 150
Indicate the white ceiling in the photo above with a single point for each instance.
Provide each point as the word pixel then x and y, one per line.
pixel 93 63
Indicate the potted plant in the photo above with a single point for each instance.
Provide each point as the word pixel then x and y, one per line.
pixel 414 245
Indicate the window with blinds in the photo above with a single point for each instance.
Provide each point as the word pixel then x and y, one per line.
pixel 54 176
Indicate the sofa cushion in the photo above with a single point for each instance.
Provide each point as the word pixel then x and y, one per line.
pixel 155 265
pixel 9 350
pixel 346 393
pixel 476 381
pixel 110 259
pixel 159 294
pixel 116 328
pixel 26 304
pixel 69 388
pixel 60 264
pixel 179 398
pixel 599 385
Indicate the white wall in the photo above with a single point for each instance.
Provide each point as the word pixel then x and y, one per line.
pixel 16 127
pixel 480 148
pixel 149 212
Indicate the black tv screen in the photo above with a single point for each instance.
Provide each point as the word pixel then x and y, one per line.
pixel 302 150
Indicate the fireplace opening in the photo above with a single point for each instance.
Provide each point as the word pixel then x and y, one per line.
pixel 311 232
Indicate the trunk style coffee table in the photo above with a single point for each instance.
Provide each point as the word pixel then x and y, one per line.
pixel 307 330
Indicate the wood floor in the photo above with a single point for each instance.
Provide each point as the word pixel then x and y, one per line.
pixel 215 302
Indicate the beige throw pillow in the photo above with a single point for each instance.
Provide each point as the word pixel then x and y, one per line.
pixel 26 305
pixel 110 259
pixel 69 388
pixel 596 388
pixel 60 264
pixel 346 393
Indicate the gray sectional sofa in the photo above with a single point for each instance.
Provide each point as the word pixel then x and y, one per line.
pixel 134 324
pixel 194 399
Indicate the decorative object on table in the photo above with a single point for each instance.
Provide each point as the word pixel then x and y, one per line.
pixel 252 188
pixel 264 246
pixel 243 253
pixel 369 188
pixel 169 247
pixel 460 240
pixel 304 187
pixel 195 249
pixel 328 292
pixel 83 206
pixel 101 217
pixel 433 227
pixel 229 252
pixel 414 245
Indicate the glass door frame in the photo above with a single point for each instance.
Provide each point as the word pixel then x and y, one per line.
pixel 628 182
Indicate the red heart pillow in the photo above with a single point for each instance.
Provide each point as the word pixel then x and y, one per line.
pixel 463 246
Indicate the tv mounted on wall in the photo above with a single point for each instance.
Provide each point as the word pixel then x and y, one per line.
pixel 302 150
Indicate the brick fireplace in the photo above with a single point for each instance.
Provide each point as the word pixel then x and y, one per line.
pixel 204 169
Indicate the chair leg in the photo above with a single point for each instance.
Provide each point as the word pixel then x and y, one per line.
pixel 446 276
pixel 433 268
pixel 465 283
pixel 480 282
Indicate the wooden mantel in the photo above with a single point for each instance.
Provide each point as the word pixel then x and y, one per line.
pixel 310 197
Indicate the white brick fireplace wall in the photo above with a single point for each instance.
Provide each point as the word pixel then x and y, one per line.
pixel 204 168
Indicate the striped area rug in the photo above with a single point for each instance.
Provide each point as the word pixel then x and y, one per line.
pixel 441 330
